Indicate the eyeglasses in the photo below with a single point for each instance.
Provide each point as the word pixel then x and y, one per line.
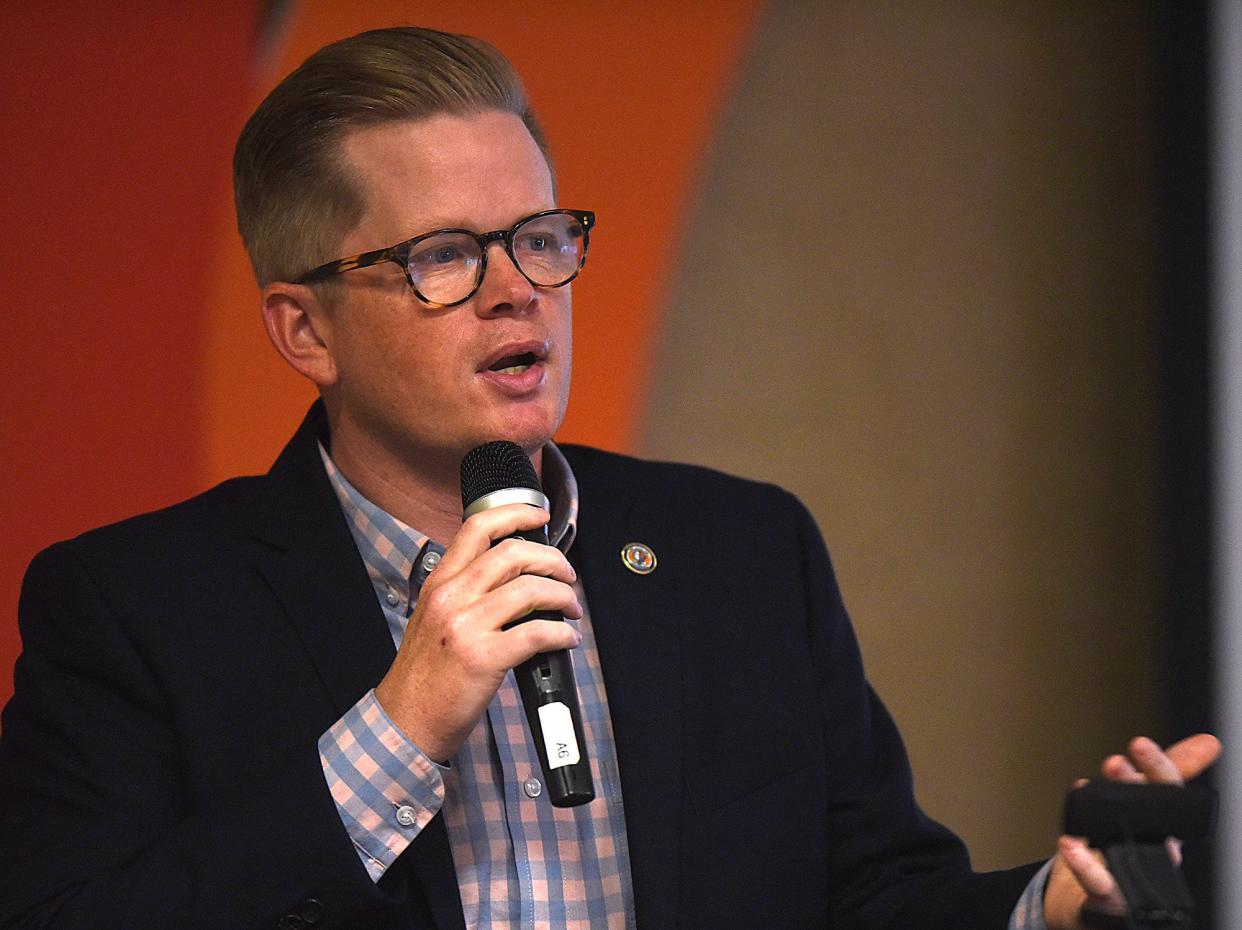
pixel 446 267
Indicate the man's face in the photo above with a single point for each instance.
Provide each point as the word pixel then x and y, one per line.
pixel 421 386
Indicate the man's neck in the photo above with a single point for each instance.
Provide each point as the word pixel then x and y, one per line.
pixel 425 495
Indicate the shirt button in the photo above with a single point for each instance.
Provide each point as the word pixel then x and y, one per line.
pixel 406 815
pixel 431 560
pixel 533 787
pixel 392 598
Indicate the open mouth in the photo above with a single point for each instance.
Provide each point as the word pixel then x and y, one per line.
pixel 513 364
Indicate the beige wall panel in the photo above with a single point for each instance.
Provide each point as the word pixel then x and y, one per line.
pixel 918 291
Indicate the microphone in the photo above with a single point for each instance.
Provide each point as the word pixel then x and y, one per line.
pixel 492 475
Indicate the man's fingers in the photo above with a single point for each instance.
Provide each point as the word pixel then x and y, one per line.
pixel 519 643
pixel 513 557
pixel 523 594
pixel 1173 846
pixel 1147 762
pixel 1091 873
pixel 1194 754
pixel 1151 760
pixel 1119 768
pixel 478 566
pixel 479 532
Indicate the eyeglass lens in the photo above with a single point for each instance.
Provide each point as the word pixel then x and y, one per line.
pixel 445 268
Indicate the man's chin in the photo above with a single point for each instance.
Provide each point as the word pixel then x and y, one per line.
pixel 529 425
pixel 530 443
pixel 531 436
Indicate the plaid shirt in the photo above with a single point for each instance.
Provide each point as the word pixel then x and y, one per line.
pixel 520 862
pixel 1028 914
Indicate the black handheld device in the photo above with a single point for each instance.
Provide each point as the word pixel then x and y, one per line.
pixel 1130 824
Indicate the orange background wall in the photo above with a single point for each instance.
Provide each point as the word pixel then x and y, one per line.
pixel 134 365
pixel 114 156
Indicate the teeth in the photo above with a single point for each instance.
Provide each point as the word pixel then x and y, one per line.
pixel 515 370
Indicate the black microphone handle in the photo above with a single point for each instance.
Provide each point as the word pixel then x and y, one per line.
pixel 550 699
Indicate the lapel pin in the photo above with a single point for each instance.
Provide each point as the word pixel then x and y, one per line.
pixel 638 558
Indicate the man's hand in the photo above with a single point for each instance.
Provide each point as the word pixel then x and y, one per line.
pixel 1079 875
pixel 455 653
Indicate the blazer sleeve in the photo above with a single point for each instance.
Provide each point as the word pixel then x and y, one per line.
pixel 96 828
pixel 891 866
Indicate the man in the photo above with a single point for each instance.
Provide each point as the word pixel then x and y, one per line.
pixel 287 702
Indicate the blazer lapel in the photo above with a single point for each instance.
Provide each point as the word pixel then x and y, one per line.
pixel 315 570
pixel 312 565
pixel 636 619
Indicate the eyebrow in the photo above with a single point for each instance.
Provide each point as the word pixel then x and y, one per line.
pixel 459 223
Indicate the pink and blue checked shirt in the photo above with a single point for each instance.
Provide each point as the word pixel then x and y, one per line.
pixel 520 862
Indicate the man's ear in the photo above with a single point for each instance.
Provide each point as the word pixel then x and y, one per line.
pixel 299 326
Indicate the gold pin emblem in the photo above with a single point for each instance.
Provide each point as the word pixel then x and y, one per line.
pixel 638 558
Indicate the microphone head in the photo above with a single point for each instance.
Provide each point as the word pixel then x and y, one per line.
pixel 495 466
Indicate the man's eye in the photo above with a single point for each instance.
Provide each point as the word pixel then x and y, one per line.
pixel 445 254
pixel 537 242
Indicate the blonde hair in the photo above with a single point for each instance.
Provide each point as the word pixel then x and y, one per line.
pixel 295 197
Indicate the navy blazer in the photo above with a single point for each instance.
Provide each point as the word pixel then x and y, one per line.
pixel 159 763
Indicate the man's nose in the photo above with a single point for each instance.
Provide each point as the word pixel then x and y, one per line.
pixel 504 288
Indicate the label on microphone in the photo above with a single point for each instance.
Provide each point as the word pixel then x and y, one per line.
pixel 558 735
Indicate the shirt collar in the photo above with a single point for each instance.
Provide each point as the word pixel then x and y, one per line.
pixel 561 487
pixel 389 547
